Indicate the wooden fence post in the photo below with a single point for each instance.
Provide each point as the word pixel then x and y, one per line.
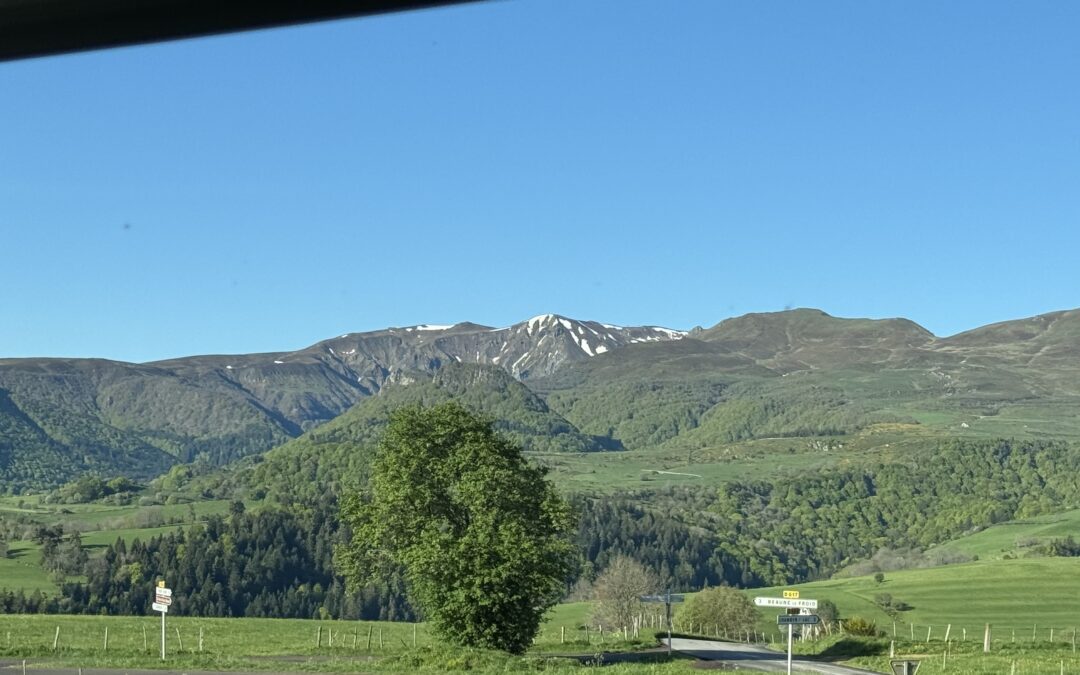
pixel 986 640
pixel 106 638
pixel 179 640
pixel 369 637
pixel 948 629
pixel 318 637
pixel 56 639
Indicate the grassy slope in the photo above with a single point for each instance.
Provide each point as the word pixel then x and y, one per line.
pixel 21 570
pixel 768 458
pixel 1009 594
pixel 1009 539
pixel 290 644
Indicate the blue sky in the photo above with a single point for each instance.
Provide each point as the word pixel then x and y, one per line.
pixel 630 162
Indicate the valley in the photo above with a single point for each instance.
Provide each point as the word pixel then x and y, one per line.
pixel 776 449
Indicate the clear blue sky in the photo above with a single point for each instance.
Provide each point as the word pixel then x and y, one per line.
pixel 670 163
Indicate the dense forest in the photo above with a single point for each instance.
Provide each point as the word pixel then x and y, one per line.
pixel 278 561
pixel 811 526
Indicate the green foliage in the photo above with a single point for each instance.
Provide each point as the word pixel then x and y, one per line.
pixel 481 535
pixel 337 456
pixel 828 611
pixel 857 625
pixel 798 528
pixel 720 608
pixel 91 487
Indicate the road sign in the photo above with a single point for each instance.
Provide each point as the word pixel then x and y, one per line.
pixel 162 591
pixel 158 607
pixel 667 599
pixel 661 598
pixel 785 602
pixel 162 600
pixel 797 619
pixel 791 595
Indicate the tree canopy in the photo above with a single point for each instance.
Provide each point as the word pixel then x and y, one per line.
pixel 481 535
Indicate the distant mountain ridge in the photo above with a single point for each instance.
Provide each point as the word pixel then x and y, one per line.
pixel 792 373
pixel 63 417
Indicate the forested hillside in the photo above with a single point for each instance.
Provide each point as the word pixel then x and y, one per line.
pixel 809 527
pixel 584 386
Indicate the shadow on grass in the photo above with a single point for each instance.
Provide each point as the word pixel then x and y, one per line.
pixel 652 657
pixel 847 648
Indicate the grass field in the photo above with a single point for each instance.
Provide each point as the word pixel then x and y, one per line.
pixel 1015 537
pixel 1025 598
pixel 294 644
pixel 21 569
pixel 766 458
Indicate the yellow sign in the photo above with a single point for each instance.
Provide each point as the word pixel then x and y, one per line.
pixel 791 594
pixel 161 584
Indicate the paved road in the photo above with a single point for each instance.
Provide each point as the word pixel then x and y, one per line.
pixel 753 657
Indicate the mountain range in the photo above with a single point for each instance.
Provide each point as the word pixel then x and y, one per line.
pixel 555 383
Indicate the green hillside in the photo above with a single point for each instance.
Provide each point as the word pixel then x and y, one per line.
pixel 1017 538
pixel 793 374
pixel 1009 594
pixel 339 451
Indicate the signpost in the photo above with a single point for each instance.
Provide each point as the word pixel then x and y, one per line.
pixel 667 599
pixel 785 602
pixel 904 666
pixel 790 600
pixel 162 600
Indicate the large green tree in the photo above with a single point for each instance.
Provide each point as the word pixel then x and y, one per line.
pixel 721 609
pixel 482 536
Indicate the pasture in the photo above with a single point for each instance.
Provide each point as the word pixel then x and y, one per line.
pixel 1026 601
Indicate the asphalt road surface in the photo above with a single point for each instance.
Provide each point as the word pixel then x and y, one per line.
pixel 753 657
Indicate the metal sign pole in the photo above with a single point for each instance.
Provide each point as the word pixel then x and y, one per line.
pixel 789 633
pixel 163 636
pixel 668 604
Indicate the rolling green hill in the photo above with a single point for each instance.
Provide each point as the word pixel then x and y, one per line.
pixel 339 451
pixel 1016 538
pixel 793 374
pixel 1009 594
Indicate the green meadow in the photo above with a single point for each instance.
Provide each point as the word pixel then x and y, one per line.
pixel 1021 599
pixel 1016 537
pixel 306 645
